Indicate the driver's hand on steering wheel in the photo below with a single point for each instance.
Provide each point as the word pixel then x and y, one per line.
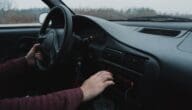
pixel 34 54
pixel 96 84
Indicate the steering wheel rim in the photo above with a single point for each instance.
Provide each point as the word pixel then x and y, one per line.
pixel 55 37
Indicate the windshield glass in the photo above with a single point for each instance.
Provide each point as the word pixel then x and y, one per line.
pixel 125 9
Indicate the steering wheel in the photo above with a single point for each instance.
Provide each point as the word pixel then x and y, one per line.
pixel 55 37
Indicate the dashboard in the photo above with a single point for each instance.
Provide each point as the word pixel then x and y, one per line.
pixel 87 29
pixel 132 69
pixel 150 63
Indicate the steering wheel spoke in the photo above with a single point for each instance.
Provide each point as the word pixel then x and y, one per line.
pixel 55 37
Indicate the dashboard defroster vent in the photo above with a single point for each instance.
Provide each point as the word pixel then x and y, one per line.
pixel 162 32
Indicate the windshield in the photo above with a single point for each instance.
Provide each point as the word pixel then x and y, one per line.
pixel 125 9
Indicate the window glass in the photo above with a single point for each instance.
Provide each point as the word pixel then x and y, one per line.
pixel 21 11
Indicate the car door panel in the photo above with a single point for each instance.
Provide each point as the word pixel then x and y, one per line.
pixel 15 42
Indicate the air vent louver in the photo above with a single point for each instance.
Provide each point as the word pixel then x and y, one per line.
pixel 134 62
pixel 128 60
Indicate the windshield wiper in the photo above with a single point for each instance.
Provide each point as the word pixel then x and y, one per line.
pixel 160 18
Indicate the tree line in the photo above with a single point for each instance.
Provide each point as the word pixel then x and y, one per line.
pixel 11 15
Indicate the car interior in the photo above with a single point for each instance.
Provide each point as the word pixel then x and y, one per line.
pixel 150 61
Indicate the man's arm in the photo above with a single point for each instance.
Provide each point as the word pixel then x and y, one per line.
pixel 14 66
pixel 22 64
pixel 63 100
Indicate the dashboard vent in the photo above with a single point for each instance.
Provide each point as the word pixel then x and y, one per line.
pixel 134 62
pixel 163 32
pixel 127 60
pixel 113 56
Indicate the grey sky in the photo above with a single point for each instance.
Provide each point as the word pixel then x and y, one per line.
pixel 169 6
pixel 27 3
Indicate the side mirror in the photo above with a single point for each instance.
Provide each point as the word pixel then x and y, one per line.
pixel 42 17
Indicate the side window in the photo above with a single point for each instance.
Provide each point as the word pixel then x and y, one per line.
pixel 21 11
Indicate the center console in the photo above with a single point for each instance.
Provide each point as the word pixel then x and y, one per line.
pixel 134 72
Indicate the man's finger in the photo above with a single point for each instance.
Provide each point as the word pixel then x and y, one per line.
pixel 38 44
pixel 98 73
pixel 35 46
pixel 103 73
pixel 108 83
pixel 106 77
pixel 38 56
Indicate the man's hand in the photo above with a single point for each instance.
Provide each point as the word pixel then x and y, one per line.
pixel 96 84
pixel 33 54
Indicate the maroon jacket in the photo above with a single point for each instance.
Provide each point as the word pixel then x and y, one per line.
pixel 63 100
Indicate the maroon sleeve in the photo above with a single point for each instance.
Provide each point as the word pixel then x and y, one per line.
pixel 14 66
pixel 63 100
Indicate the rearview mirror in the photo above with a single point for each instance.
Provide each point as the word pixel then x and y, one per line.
pixel 42 17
